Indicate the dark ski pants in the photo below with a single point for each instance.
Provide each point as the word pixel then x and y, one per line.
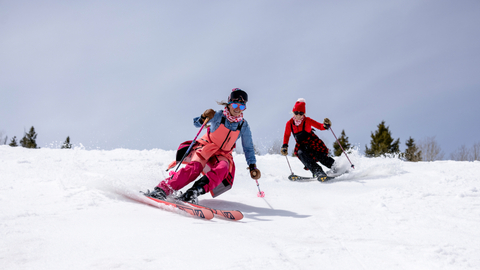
pixel 310 163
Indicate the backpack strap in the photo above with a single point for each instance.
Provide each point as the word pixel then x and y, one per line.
pixel 239 128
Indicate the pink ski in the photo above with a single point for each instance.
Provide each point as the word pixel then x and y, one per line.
pixel 204 213
pixel 228 214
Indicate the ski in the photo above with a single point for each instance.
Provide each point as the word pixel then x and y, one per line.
pixel 204 213
pixel 298 178
pixel 228 214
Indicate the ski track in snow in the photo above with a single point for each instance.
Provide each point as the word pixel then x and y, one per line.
pixel 81 209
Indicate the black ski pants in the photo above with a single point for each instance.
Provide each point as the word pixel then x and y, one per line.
pixel 309 162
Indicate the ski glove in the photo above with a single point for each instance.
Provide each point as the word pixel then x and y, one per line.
pixel 284 150
pixel 254 172
pixel 207 114
pixel 327 123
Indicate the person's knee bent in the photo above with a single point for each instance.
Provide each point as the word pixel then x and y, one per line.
pixel 217 174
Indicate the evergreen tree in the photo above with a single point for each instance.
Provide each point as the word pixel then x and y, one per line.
pixel 13 142
pixel 343 142
pixel 382 142
pixel 412 153
pixel 29 139
pixel 67 144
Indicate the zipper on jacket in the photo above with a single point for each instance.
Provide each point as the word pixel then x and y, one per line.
pixel 226 139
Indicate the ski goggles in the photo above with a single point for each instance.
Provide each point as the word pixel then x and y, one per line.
pixel 238 105
pixel 298 113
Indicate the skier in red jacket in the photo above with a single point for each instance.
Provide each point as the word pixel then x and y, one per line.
pixel 309 148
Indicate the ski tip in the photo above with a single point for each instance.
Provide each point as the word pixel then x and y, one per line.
pixel 292 177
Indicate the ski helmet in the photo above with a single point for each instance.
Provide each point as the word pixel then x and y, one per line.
pixel 238 95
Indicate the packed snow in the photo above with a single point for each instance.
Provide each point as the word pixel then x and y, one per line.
pixel 81 209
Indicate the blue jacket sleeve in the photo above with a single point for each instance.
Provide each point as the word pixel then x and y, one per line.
pixel 216 118
pixel 196 122
pixel 247 144
pixel 215 122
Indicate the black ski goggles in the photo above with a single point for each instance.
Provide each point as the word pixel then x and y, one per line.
pixel 298 113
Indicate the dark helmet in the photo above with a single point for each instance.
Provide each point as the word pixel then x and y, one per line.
pixel 238 95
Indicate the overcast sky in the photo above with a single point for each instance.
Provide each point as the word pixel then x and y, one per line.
pixel 133 74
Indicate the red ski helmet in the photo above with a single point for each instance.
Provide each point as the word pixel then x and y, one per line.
pixel 238 94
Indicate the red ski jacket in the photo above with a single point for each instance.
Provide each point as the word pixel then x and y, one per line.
pixel 309 123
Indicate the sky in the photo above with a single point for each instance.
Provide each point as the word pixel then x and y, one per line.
pixel 125 74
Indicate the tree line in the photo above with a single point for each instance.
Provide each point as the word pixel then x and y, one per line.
pixel 29 140
pixel 381 144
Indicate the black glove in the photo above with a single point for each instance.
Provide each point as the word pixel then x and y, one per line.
pixel 327 123
pixel 207 114
pixel 254 172
pixel 284 150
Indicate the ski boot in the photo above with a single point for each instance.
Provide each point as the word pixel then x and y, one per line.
pixel 191 195
pixel 157 193
pixel 321 175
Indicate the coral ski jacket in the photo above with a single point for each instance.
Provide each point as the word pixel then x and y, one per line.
pixel 245 133
pixel 309 123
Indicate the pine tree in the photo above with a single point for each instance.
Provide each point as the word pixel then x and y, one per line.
pixel 412 153
pixel 13 142
pixel 343 142
pixel 29 139
pixel 67 144
pixel 382 142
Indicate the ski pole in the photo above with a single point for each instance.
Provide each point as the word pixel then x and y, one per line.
pixel 289 165
pixel 190 147
pixel 341 147
pixel 260 193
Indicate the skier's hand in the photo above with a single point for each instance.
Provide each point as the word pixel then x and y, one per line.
pixel 208 114
pixel 284 150
pixel 254 172
pixel 327 123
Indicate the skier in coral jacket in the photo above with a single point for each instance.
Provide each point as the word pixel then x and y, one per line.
pixel 212 153
pixel 309 148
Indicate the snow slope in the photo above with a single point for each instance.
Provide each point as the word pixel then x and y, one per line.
pixel 80 209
